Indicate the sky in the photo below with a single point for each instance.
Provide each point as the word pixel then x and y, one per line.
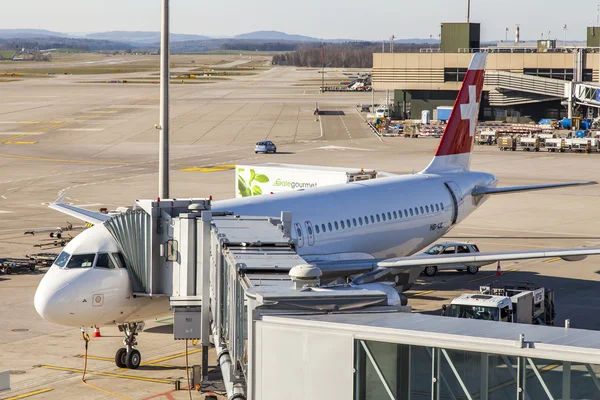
pixel 329 19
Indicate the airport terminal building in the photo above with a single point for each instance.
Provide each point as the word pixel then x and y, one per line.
pixel 524 81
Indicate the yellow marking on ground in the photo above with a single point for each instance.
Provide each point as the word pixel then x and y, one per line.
pixel 62 161
pixel 421 293
pixel 44 129
pixel 131 377
pixel 20 142
pixel 491 276
pixel 553 260
pixel 25 395
pixel 112 359
pixel 210 168
pixel 31 122
pixel 158 360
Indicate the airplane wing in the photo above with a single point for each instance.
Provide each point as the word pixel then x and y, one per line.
pixel 481 191
pixel 479 259
pixel 369 271
pixel 88 216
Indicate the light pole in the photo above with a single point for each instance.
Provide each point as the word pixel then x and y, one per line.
pixel 506 34
pixel 430 44
pixel 468 11
pixel 565 29
pixel 163 142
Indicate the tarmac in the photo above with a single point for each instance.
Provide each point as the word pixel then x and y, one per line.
pixel 98 143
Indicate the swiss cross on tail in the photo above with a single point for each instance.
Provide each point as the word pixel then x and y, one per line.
pixel 454 151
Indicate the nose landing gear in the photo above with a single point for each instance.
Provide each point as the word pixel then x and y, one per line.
pixel 128 356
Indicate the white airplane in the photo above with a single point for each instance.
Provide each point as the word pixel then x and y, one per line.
pixel 371 227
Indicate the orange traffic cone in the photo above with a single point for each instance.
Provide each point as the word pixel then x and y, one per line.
pixel 498 270
pixel 97 332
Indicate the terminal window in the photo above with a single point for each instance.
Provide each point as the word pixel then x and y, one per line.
pixel 454 74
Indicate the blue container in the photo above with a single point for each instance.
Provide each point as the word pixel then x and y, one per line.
pixel 545 121
pixel 580 134
pixel 566 123
pixel 586 124
pixel 443 113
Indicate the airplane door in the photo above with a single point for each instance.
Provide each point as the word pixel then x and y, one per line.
pixel 299 235
pixel 310 233
pixel 457 199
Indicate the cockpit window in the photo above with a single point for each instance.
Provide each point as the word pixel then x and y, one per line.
pixel 62 259
pixel 104 261
pixel 119 259
pixel 81 261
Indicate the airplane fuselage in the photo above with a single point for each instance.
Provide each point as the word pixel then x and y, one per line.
pixel 381 218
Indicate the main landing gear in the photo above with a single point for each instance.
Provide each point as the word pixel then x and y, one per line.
pixel 128 356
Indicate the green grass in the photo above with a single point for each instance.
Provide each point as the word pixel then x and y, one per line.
pixel 69 50
pixel 6 54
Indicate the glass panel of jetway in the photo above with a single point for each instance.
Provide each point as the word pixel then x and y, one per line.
pixel 400 371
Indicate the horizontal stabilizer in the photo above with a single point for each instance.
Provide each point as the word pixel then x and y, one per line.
pixel 481 191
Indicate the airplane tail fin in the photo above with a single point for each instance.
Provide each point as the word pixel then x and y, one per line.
pixel 454 151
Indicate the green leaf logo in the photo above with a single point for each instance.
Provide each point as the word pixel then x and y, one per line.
pixel 261 178
pixel 252 175
pixel 256 191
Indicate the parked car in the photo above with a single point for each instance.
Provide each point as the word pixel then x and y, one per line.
pixel 265 146
pixel 448 248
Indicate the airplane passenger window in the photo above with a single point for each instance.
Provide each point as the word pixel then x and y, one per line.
pixel 405 213
pixel 437 207
pixel 360 220
pixel 330 227
pixel 372 220
pixel 416 210
pixel 422 212
pixel 442 205
pixel 378 218
pixel 382 216
pixel 309 229
pixel 104 261
pixel 411 211
pixel 342 223
pixel 81 261
pixel 317 228
pixel 431 207
pixel 62 259
pixel 348 223
pixel 354 221
pixel 337 227
pixel 299 232
pixel 389 215
pixel 427 209
pixel 395 215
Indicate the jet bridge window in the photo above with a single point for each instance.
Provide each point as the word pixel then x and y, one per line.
pixel 62 259
pixel 81 261
pixel 104 261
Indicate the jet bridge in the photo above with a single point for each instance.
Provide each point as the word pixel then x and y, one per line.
pixel 224 272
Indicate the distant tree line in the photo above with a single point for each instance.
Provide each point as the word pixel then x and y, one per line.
pixel 260 46
pixel 340 55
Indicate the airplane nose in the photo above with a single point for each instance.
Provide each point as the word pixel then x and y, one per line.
pixel 52 304
pixel 54 297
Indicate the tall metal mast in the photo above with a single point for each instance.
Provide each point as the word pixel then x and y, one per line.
pixel 163 143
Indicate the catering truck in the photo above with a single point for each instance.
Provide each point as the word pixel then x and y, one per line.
pixel 520 303
pixel 256 180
